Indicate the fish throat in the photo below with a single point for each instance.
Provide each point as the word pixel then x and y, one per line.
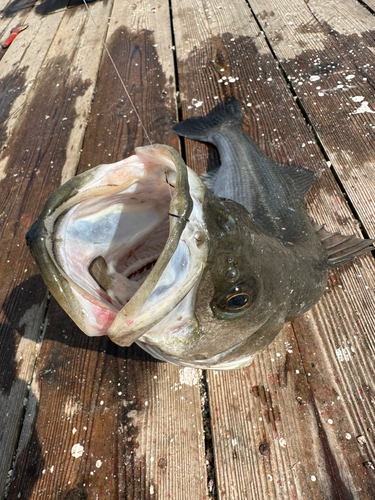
pixel 108 245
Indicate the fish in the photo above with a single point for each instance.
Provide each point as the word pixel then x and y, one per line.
pixel 198 271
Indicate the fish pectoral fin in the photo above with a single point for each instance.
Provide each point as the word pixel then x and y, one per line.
pixel 342 248
pixel 301 178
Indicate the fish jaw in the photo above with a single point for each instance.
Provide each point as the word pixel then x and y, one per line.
pixel 177 273
pixel 87 238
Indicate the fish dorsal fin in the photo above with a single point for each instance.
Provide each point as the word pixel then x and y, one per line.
pixel 301 178
pixel 342 248
pixel 227 113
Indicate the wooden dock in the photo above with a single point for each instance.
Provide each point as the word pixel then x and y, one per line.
pixel 82 419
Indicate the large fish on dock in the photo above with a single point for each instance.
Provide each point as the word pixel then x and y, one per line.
pixel 198 275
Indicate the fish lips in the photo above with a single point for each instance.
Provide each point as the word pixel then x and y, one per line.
pixel 177 269
pixel 179 266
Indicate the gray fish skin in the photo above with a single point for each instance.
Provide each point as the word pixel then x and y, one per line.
pixel 273 194
pixel 281 282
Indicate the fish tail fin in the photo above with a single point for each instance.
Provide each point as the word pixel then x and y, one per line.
pixel 226 114
pixel 343 248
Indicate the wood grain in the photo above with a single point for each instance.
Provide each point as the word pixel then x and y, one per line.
pixel 139 421
pixel 33 155
pixel 328 64
pixel 299 422
pixel 266 430
pixel 313 462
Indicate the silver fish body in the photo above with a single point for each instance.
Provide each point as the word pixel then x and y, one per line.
pixel 143 250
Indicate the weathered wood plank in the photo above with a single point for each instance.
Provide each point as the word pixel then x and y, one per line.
pixel 9 20
pixel 221 52
pixel 329 61
pixel 266 430
pixel 370 4
pixel 295 407
pixel 140 418
pixel 138 425
pixel 20 66
pixel 141 45
pixel 31 167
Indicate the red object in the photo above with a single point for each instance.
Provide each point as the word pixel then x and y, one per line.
pixel 13 33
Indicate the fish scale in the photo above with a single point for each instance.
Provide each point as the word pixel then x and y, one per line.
pixel 248 176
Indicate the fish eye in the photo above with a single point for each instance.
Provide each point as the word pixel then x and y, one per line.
pixel 238 298
pixel 236 301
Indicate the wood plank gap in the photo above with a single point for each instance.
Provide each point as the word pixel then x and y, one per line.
pixel 208 438
pixel 309 123
pixel 26 402
pixel 369 5
pixel 177 82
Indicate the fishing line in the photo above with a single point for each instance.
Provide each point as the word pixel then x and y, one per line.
pixel 117 72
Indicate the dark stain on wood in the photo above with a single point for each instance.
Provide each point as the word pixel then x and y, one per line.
pixel 114 130
pixel 332 112
pixel 23 297
pixel 270 412
pixel 47 7
pixel 339 490
pixel 264 449
pixel 42 134
pixel 77 493
pixel 115 382
pixel 265 14
pixel 288 366
pixel 245 74
pixel 310 27
pixel 17 5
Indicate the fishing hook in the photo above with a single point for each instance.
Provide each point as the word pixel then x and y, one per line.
pixel 179 217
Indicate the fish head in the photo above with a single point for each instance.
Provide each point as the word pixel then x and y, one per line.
pixel 238 304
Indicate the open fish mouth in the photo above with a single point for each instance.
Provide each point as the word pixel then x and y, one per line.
pixel 120 246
